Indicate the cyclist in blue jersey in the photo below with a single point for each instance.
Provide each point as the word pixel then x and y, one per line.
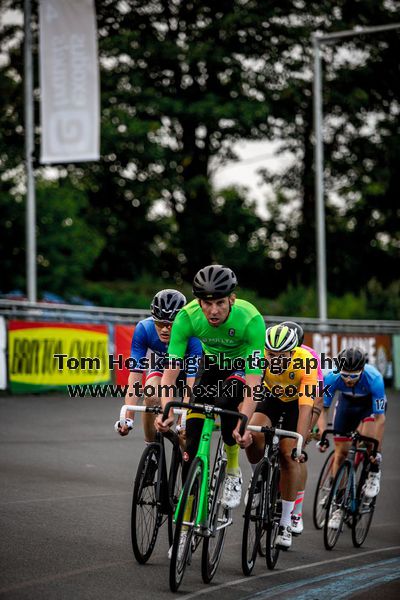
pixel 361 405
pixel 149 346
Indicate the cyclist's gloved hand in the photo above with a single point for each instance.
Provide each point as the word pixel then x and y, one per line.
pixel 300 458
pixel 124 429
pixel 163 426
pixel 244 440
pixel 323 446
pixel 376 460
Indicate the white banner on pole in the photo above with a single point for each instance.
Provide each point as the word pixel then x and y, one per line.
pixel 69 81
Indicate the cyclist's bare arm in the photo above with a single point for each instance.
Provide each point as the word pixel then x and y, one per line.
pixel 248 407
pixel 131 397
pixel 169 378
pixel 379 429
pixel 304 419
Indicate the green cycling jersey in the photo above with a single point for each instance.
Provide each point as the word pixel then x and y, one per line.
pixel 241 336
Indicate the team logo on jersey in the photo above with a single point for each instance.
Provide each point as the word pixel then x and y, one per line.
pixel 291 375
pixel 231 332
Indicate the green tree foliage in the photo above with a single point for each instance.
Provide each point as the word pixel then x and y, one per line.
pixel 180 83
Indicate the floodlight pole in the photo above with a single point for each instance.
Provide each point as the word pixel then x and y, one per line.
pixel 31 272
pixel 318 40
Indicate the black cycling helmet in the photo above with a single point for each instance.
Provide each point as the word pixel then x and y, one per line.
pixel 280 338
pixel 354 359
pixel 298 328
pixel 214 282
pixel 166 304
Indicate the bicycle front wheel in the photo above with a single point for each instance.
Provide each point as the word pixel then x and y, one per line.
pixel 185 523
pixel 322 492
pixel 254 516
pixel 174 489
pixel 146 515
pixel 338 506
pixel 218 519
pixel 274 508
pixel 365 511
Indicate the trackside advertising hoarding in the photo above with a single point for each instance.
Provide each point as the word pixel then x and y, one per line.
pixel 43 356
pixel 378 347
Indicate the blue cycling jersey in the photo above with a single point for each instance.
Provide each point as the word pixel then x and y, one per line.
pixel 145 338
pixel 370 386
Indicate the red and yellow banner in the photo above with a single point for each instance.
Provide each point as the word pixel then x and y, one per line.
pixel 47 355
pixel 122 350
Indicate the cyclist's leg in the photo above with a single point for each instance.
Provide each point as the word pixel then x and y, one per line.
pixel 151 398
pixel 290 471
pixel 231 398
pixel 369 427
pixel 345 419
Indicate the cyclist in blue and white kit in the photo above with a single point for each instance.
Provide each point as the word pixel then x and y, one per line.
pixel 149 346
pixel 361 405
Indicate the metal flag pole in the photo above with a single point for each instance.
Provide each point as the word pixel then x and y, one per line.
pixel 31 272
pixel 318 40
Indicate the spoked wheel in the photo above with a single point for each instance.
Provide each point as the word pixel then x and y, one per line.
pixel 185 523
pixel 254 516
pixel 337 506
pixel 274 508
pixel 219 518
pixel 146 516
pixel 365 511
pixel 322 492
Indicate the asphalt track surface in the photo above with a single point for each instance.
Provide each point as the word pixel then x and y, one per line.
pixel 66 481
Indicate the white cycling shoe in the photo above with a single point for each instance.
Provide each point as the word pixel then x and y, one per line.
pixel 232 490
pixel 256 496
pixel 297 524
pixel 372 485
pixel 335 520
pixel 284 537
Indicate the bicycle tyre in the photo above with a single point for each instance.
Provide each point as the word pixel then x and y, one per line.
pixel 254 519
pixel 213 545
pixel 146 514
pixel 179 559
pixel 338 500
pixel 174 490
pixel 362 519
pixel 274 511
pixel 322 492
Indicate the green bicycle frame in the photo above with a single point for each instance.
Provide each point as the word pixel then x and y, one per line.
pixel 203 453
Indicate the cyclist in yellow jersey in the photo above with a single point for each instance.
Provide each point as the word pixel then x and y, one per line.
pixel 290 382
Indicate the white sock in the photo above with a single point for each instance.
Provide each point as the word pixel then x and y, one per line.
pixel 287 507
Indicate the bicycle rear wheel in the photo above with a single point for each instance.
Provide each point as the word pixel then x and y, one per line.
pixel 218 518
pixel 322 492
pixel 338 506
pixel 365 511
pixel 274 508
pixel 185 523
pixel 146 516
pixel 254 516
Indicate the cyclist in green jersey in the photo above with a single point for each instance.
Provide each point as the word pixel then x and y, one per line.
pixel 232 333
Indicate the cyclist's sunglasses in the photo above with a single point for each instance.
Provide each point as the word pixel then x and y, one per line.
pixel 162 324
pixel 350 375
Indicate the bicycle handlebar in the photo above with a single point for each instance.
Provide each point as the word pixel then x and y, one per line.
pixel 354 435
pixel 156 410
pixel 280 432
pixel 207 409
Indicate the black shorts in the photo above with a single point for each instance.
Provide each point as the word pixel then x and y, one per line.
pixel 274 409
